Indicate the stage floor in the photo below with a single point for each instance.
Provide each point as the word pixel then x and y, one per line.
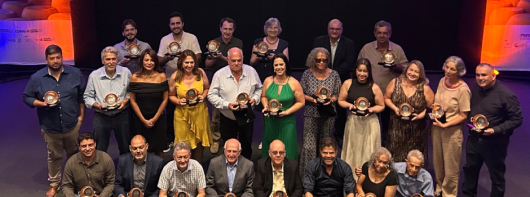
pixel 24 171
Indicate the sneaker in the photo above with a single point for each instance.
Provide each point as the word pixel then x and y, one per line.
pixel 260 145
pixel 214 148
pixel 169 146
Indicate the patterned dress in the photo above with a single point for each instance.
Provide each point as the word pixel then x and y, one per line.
pixel 406 135
pixel 316 126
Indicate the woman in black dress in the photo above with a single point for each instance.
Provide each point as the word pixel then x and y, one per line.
pixel 149 93
pixel 378 175
pixel 263 65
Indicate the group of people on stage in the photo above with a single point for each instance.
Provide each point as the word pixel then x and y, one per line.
pixel 147 107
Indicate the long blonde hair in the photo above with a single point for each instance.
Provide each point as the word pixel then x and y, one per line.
pixel 422 79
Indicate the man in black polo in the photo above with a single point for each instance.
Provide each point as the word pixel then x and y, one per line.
pixel 501 108
pixel 227 26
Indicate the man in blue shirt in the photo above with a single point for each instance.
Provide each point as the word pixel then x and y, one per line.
pixel 105 81
pixel 59 122
pixel 110 79
pixel 412 178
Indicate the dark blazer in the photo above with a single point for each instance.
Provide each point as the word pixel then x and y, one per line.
pixel 345 56
pixel 262 186
pixel 125 178
pixel 217 178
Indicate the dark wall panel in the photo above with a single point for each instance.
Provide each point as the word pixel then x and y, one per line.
pixel 427 30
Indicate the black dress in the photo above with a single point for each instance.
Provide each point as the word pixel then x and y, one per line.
pixel 264 66
pixel 378 188
pixel 149 96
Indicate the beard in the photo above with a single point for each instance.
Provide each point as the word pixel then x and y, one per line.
pixel 55 69
pixel 130 40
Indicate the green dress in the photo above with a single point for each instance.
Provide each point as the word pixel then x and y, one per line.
pixel 282 128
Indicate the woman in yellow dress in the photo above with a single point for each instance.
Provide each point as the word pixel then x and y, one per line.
pixel 192 122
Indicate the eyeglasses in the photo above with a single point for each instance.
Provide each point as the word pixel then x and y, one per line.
pixel 276 152
pixel 321 60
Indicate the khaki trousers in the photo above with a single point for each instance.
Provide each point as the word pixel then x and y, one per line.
pixel 447 153
pixel 215 125
pixel 56 143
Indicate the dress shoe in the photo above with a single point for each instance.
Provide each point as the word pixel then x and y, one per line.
pixel 52 191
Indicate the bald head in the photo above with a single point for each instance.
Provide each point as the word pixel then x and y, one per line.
pixel 235 60
pixel 235 51
pixel 232 150
pixel 138 139
pixel 232 143
pixel 277 153
pixel 277 145
pixel 335 22
pixel 138 147
pixel 334 29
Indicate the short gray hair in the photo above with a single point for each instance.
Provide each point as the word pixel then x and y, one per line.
pixel 377 153
pixel 271 21
pixel 109 49
pixel 181 146
pixel 383 23
pixel 459 64
pixel 310 62
pixel 224 147
pixel 234 48
pixel 417 154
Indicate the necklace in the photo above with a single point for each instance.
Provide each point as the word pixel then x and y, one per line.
pixel 271 43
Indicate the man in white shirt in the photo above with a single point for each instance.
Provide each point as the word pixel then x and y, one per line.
pixel 227 84
pixel 185 41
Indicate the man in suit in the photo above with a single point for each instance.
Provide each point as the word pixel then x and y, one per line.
pixel 230 173
pixel 342 52
pixel 277 173
pixel 138 170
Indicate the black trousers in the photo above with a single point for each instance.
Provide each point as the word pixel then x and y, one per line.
pixel 491 152
pixel 231 129
pixel 342 113
pixel 170 117
pixel 119 123
pixel 340 123
pixel 385 121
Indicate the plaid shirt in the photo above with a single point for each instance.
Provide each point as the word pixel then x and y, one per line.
pixel 190 181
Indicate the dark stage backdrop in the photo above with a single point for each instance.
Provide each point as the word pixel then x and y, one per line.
pixel 427 30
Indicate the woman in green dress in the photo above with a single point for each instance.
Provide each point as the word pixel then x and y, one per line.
pixel 288 91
